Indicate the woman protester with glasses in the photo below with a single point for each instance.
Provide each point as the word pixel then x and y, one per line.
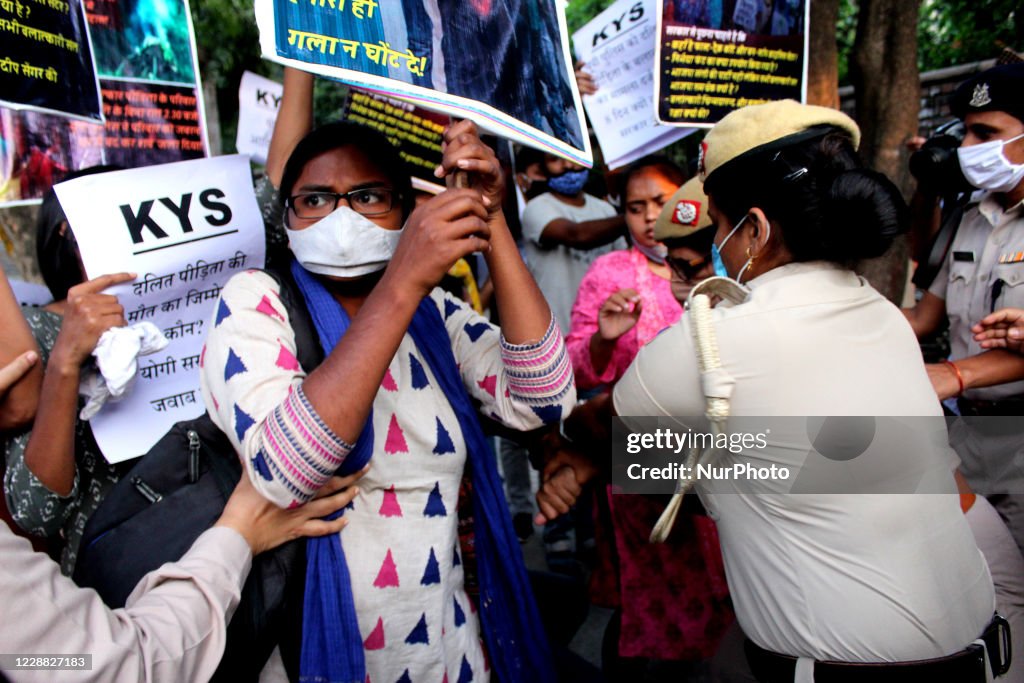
pixel 625 299
pixel 405 369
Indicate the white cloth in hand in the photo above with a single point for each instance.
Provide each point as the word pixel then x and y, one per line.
pixel 117 363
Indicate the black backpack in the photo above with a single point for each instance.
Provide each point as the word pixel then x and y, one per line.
pixel 174 493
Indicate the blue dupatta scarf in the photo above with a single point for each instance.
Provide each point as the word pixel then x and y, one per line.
pixel 332 647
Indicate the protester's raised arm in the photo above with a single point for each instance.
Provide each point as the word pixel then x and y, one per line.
pixel 19 400
pixel 294 120
pixel 525 316
pixel 584 235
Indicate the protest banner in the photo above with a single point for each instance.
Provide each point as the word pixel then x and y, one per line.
pixel 46 60
pixel 716 57
pixel 416 132
pixel 151 123
pixel 504 64
pixel 618 48
pixel 184 228
pixel 149 79
pixel 258 101
pixel 145 57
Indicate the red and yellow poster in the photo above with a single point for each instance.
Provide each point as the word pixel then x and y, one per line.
pixel 145 60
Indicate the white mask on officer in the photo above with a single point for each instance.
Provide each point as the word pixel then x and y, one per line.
pixel 985 166
pixel 343 244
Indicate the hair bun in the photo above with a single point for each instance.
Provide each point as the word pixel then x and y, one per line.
pixel 862 212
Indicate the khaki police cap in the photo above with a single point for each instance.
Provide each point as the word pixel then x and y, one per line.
pixel 684 214
pixel 760 127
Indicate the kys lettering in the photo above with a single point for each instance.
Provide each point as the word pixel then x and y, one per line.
pixel 634 14
pixel 268 99
pixel 165 215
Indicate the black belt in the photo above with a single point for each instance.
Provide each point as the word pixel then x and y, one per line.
pixel 971 408
pixel 966 666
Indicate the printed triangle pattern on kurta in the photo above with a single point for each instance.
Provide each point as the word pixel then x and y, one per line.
pixel 435 504
pixel 419 634
pixel 419 375
pixel 389 507
pixel 234 366
pixel 222 312
pixel 242 422
pixel 267 308
pixel 286 360
pixel 395 441
pixel 449 308
pixel 375 641
pixel 432 572
pixel 387 577
pixel 388 382
pixel 444 440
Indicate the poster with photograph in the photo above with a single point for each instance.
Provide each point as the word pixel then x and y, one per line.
pixel 145 55
pixel 504 64
pixel 715 56
pixel 149 79
pixel 37 150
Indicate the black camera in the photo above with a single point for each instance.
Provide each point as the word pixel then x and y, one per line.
pixel 936 165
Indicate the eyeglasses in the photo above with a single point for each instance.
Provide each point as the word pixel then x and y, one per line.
pixel 368 201
pixel 687 269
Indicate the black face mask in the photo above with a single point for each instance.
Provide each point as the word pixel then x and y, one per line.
pixel 537 188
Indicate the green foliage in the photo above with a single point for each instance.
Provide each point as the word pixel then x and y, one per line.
pixel 954 32
pixel 579 12
pixel 846 32
pixel 949 32
pixel 228 44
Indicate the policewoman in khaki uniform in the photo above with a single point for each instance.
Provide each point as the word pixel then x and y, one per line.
pixel 827 586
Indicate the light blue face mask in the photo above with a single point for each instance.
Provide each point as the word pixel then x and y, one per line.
pixel 716 251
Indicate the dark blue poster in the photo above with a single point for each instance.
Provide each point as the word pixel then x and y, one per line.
pixel 46 62
pixel 504 64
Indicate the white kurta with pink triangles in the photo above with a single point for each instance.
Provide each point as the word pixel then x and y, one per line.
pixel 401 543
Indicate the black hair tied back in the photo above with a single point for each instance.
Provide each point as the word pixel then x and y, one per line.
pixel 862 213
pixel 827 205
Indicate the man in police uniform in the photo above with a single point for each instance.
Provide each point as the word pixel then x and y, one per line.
pixel 984 271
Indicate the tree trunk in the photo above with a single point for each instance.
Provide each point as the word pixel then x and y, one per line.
pixel 823 60
pixel 212 115
pixel 884 73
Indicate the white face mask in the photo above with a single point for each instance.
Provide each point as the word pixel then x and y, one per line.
pixel 343 244
pixel 985 166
